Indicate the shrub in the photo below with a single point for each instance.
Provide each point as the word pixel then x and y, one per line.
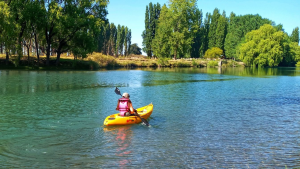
pixel 194 63
pixel 182 64
pixel 212 63
pixel 163 61
pixel 214 52
pixel 101 60
pixel 229 63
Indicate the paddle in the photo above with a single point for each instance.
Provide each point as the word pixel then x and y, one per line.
pixel 117 91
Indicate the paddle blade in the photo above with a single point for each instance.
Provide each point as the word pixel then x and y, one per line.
pixel 145 121
pixel 117 91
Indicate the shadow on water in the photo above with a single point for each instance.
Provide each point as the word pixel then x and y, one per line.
pixel 167 82
pixel 13 82
pixel 44 81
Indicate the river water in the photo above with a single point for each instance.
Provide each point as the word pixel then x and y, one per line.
pixel 202 118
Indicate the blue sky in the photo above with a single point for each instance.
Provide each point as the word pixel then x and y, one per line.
pixel 131 13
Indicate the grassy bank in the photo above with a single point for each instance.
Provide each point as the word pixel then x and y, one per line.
pixel 97 60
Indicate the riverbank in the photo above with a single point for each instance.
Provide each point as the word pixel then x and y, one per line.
pixel 97 61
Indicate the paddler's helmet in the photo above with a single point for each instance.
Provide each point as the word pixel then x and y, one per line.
pixel 126 95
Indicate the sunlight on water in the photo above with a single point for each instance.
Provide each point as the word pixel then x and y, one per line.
pixel 202 118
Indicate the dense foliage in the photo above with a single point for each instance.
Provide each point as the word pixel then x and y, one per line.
pixel 181 32
pixel 268 46
pixel 135 49
pixel 214 52
pixel 52 27
pixel 151 20
pixel 114 40
pixel 176 29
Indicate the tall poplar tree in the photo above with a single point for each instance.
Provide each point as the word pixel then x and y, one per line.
pixel 221 31
pixel 198 37
pixel 125 42
pixel 118 42
pixel 151 21
pixel 128 41
pixel 213 28
pixel 112 40
pixel 178 26
pixel 205 30
pixel 121 48
pixel 146 33
pixel 161 44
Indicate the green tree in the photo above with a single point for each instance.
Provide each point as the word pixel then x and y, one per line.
pixel 52 14
pixel 135 49
pixel 213 28
pixel 112 40
pixel 122 38
pixel 214 52
pixel 205 31
pixel 178 25
pixel 221 31
pixel 262 47
pixel 7 29
pixel 125 42
pixel 106 37
pixel 118 42
pixel 19 12
pixel 295 52
pixel 291 52
pixel 239 26
pixel 36 25
pixel 128 42
pixel 151 20
pixel 295 35
pixel 146 33
pixel 89 17
pixel 198 38
pixel 161 44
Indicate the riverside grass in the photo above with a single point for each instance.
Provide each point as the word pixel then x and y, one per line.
pixel 98 60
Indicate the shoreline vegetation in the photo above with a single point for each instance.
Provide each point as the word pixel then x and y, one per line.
pixel 98 61
pixel 175 35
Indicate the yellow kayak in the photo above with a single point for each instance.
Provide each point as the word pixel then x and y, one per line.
pixel 116 119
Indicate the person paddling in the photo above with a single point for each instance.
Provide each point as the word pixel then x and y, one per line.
pixel 125 105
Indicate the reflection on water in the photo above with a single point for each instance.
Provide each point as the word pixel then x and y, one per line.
pixel 235 71
pixel 122 136
pixel 202 118
pixel 44 81
pixel 166 82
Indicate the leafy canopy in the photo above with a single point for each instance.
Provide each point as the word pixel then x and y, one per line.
pixel 262 47
pixel 214 52
pixel 176 29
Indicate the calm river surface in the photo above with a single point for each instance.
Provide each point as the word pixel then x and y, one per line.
pixel 202 118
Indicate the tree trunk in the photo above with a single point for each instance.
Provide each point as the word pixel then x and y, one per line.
pixel 37 50
pixel 28 49
pixel 48 40
pixel 58 58
pixel 7 58
pixel 47 54
pixel 175 54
